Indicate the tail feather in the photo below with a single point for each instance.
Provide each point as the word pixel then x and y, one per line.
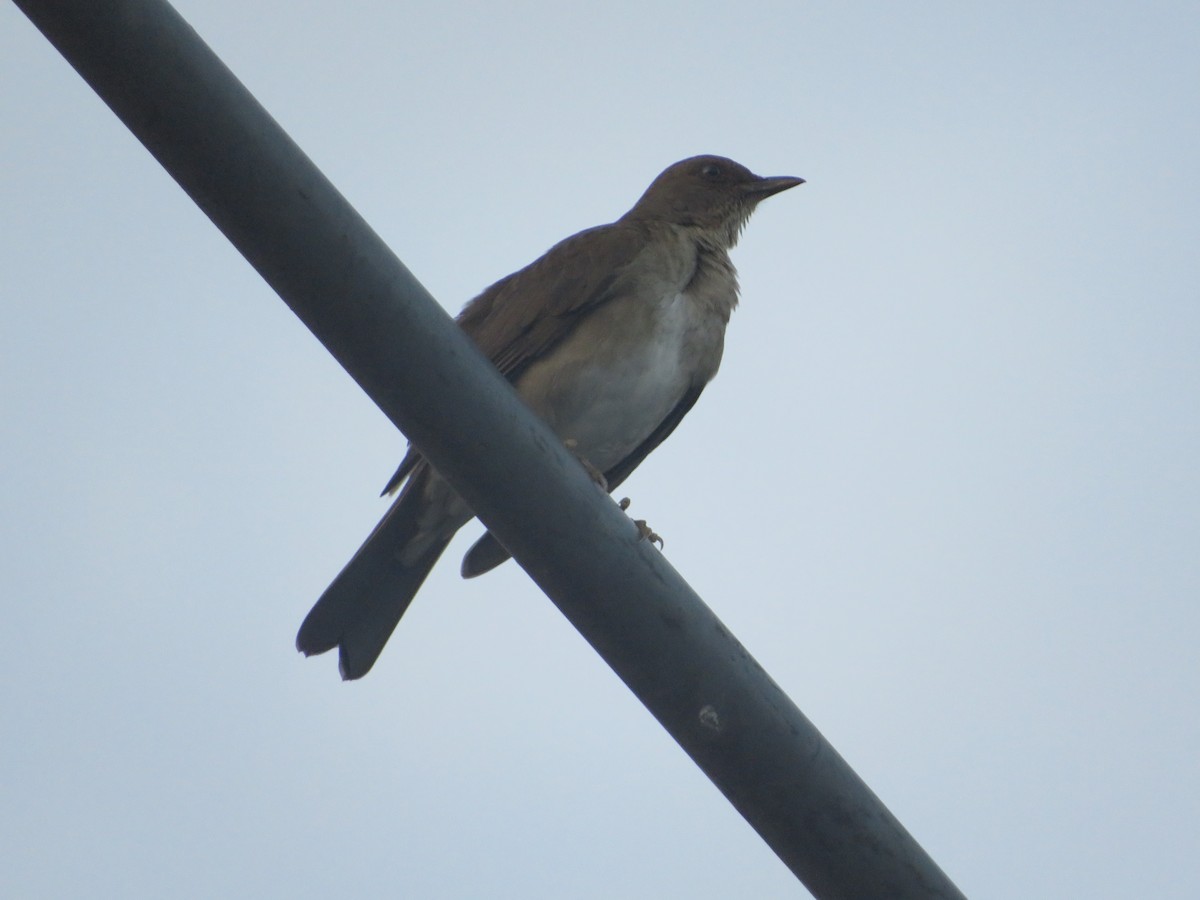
pixel 485 554
pixel 364 638
pixel 359 611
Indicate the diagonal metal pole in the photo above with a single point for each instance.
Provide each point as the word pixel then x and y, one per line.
pixel 336 274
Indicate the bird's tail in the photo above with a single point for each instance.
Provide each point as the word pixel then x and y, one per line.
pixel 359 611
pixel 485 554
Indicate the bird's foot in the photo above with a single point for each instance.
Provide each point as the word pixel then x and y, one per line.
pixel 595 474
pixel 645 532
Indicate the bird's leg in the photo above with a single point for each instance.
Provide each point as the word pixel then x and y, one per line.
pixel 595 474
pixel 645 532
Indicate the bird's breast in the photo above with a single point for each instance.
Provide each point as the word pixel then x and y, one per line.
pixel 610 383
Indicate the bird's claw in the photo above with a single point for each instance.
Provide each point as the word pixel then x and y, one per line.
pixel 595 474
pixel 646 533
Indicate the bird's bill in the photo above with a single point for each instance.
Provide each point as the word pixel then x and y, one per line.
pixel 765 187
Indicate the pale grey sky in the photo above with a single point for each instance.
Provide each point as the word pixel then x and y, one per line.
pixel 945 487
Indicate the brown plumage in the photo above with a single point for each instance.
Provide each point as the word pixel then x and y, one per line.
pixel 610 337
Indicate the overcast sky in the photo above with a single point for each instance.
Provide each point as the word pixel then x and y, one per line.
pixel 945 487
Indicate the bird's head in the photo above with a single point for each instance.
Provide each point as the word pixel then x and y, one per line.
pixel 712 194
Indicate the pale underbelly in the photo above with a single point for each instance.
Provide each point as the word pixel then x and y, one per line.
pixel 606 412
pixel 610 386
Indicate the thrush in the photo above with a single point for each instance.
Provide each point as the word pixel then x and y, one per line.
pixel 610 337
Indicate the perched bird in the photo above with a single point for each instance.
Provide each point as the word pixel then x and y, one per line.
pixel 610 337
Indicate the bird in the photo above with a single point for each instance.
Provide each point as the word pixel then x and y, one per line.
pixel 610 337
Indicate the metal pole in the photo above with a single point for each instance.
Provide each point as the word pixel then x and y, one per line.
pixel 336 274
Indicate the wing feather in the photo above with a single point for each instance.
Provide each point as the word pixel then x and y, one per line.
pixel 522 317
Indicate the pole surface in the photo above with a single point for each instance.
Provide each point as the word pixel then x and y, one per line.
pixel 357 298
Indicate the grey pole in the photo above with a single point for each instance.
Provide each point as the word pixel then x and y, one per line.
pixel 336 274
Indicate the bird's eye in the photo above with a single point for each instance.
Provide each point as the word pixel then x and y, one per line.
pixel 712 171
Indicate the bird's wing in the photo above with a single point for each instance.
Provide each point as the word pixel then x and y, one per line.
pixel 520 318
pixel 411 458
